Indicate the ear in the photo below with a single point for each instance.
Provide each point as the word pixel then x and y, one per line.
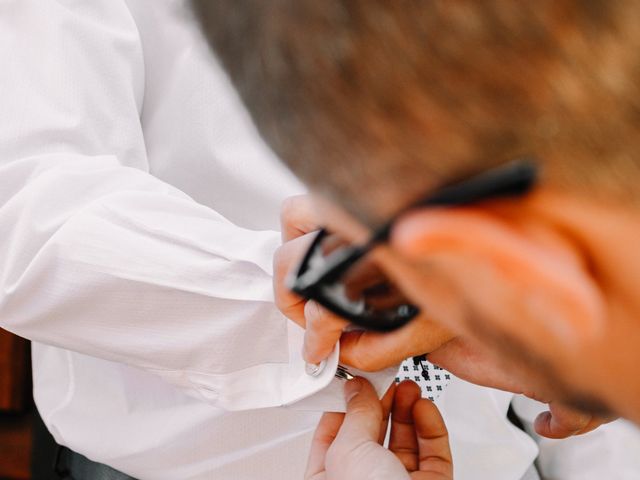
pixel 517 275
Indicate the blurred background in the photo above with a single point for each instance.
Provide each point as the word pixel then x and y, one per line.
pixel 21 431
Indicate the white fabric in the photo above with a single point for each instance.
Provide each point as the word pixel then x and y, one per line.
pixel 531 474
pixel 611 451
pixel 138 217
pixel 485 445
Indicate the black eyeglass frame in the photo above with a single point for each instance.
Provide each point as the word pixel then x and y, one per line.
pixel 512 179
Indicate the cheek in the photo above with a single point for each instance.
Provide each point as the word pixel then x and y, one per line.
pixel 512 305
pixel 610 364
pixel 552 370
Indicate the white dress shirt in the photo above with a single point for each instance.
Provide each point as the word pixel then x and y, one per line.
pixel 138 218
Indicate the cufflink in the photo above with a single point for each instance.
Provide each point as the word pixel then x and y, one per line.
pixel 343 373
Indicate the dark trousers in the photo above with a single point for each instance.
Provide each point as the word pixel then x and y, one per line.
pixel 73 466
pixel 51 461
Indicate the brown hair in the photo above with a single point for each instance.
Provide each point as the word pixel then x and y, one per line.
pixel 375 101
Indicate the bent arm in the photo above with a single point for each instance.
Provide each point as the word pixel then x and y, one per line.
pixel 97 255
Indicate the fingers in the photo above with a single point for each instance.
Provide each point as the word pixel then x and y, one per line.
pixel 434 459
pixel 387 404
pixel 323 330
pixel 323 437
pixel 562 422
pixel 363 418
pixel 419 436
pixel 595 423
pixel 355 452
pixel 403 442
pixel 371 351
pixel 286 258
pixel 548 426
pixel 297 217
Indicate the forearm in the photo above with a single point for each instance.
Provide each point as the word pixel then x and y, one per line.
pixel 111 262
pixel 96 254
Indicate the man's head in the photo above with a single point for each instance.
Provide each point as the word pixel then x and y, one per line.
pixel 393 98
pixel 374 104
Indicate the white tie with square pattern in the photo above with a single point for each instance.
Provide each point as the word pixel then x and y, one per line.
pixel 431 378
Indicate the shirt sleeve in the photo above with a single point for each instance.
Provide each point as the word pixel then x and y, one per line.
pixel 610 451
pixel 100 257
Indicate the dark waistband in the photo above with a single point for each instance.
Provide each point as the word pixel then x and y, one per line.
pixel 70 465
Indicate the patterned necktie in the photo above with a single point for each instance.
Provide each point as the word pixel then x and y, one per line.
pixel 431 378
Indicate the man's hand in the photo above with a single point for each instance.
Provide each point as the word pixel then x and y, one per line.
pixel 322 328
pixel 371 351
pixel 365 350
pixel 348 446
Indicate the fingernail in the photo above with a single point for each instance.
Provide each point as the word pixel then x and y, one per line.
pixel 311 309
pixel 314 369
pixel 312 359
pixel 351 389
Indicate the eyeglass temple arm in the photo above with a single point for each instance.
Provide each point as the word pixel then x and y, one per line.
pixel 512 179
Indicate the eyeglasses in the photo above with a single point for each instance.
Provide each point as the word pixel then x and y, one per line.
pixel 341 278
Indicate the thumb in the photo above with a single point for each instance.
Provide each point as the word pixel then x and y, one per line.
pixel 323 330
pixel 562 421
pixel 363 418
pixel 298 217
